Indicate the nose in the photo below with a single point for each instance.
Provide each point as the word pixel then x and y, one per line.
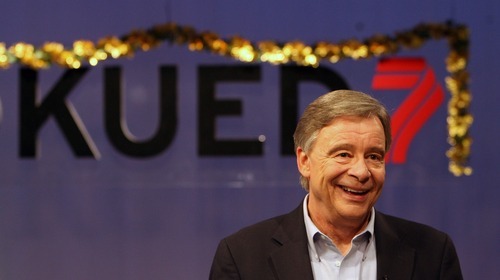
pixel 360 170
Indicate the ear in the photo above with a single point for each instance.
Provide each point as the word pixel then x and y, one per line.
pixel 303 162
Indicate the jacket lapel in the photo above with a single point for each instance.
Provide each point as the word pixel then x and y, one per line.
pixel 395 259
pixel 291 259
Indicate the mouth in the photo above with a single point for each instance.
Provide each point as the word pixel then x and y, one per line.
pixel 353 191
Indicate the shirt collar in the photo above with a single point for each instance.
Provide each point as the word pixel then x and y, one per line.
pixel 312 230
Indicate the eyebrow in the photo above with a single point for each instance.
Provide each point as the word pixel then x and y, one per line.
pixel 347 146
pixel 377 150
pixel 343 146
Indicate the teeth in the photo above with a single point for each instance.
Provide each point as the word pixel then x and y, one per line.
pixel 353 191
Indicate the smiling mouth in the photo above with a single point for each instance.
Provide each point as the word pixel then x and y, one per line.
pixel 352 191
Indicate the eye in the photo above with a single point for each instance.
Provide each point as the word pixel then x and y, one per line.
pixel 343 155
pixel 376 157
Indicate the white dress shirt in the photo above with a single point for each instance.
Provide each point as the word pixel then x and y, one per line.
pixel 327 261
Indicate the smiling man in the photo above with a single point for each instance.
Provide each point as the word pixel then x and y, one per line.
pixel 340 143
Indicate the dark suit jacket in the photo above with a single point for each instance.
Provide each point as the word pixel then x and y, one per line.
pixel 277 249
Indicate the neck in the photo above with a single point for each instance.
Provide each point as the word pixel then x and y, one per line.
pixel 339 229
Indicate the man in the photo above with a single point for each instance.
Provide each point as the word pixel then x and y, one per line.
pixel 340 144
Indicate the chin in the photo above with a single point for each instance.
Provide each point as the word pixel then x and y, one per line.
pixel 356 212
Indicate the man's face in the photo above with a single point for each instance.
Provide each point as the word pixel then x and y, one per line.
pixel 346 168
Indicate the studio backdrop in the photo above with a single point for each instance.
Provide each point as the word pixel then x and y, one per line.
pixel 134 136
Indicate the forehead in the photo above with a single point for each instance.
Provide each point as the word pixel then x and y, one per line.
pixel 352 127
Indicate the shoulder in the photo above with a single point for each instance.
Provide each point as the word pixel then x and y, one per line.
pixel 247 252
pixel 409 231
pixel 270 233
pixel 248 246
pixel 268 228
pixel 428 252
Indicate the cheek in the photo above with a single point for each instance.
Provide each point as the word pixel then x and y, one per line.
pixel 325 166
pixel 329 169
pixel 379 178
pixel 317 169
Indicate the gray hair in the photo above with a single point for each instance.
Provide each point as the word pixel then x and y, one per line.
pixel 322 111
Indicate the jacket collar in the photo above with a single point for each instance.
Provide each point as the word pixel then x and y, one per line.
pixel 291 260
pixel 394 258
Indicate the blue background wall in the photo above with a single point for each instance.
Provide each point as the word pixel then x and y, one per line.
pixel 118 217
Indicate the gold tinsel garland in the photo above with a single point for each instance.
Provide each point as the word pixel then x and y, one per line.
pixel 459 119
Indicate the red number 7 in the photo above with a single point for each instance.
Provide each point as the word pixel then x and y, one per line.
pixel 426 95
